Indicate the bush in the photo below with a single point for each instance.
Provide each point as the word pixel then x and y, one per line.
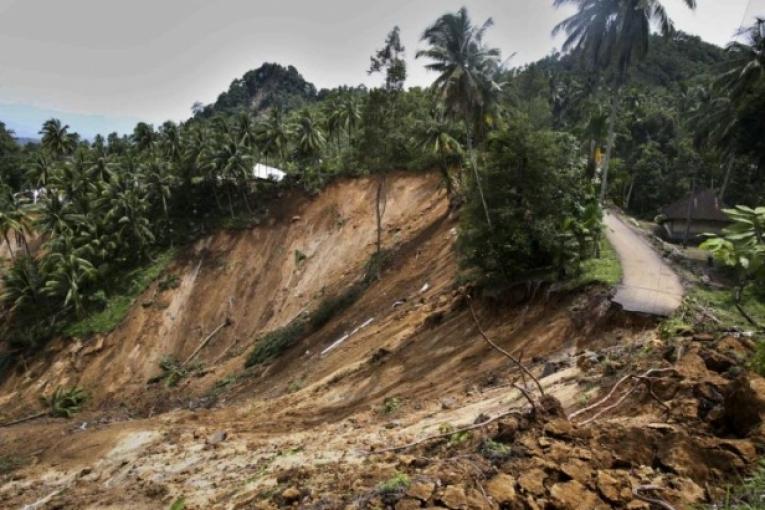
pixel 272 344
pixel 65 403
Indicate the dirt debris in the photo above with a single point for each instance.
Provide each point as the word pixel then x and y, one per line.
pixel 297 433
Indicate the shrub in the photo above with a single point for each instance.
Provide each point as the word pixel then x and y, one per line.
pixel 541 205
pixel 272 344
pixel 65 403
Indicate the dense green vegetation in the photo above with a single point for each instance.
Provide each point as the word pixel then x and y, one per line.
pixel 519 148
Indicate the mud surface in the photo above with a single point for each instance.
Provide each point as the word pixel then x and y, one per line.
pixel 315 430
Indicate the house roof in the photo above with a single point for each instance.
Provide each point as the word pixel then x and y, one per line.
pixel 261 171
pixel 705 206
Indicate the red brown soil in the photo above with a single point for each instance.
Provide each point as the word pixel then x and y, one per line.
pixel 298 431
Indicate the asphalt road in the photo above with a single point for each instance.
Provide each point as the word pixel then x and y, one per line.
pixel 649 284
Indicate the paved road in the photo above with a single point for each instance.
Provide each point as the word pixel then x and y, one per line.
pixel 649 285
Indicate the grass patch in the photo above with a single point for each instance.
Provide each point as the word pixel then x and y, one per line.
pixel 397 484
pixel 123 294
pixel 391 405
pixel 702 302
pixel 606 270
pixel 9 464
pixel 750 495
pixel 723 305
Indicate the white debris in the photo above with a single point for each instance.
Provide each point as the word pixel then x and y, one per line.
pixel 347 336
pixel 425 288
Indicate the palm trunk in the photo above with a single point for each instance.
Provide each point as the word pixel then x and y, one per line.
pixel 726 179
pixel 610 143
pixel 478 180
pixel 10 248
pixel 230 203
pixel 629 193
pixel 244 197
pixel 215 195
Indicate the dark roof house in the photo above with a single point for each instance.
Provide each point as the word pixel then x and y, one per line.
pixel 705 213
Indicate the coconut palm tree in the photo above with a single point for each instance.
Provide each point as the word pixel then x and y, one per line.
pixel 747 65
pixel 612 35
pixel 159 182
pixel 144 137
pixel 309 137
pixel 39 169
pixel 436 136
pixel 23 283
pixel 68 271
pixel 273 134
pixel 56 138
pixel 349 113
pixel 467 68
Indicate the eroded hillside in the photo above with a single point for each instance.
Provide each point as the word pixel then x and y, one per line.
pixel 404 361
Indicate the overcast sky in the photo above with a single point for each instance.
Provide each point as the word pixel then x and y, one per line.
pixel 101 65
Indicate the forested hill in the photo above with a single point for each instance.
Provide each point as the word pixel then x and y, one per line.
pixel 671 63
pixel 259 89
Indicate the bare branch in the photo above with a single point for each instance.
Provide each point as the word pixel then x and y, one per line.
pixel 501 350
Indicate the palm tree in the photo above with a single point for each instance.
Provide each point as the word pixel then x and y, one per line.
pixel 436 136
pixel 23 283
pixel 170 141
pixel 747 65
pixel 39 169
pixel 144 136
pixel 308 135
pixel 349 113
pixel 333 120
pixel 159 182
pixel 467 69
pixel 14 219
pixel 56 138
pixel 68 271
pixel 273 134
pixel 612 35
pixel 233 164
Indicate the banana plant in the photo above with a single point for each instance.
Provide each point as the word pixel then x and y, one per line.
pixel 741 247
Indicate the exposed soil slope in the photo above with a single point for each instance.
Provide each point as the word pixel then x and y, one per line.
pixel 298 431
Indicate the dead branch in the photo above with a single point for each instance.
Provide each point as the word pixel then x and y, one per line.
pixel 205 340
pixel 25 419
pixel 612 406
pixel 444 435
pixel 602 400
pixel 502 351
pixel 654 501
pixel 645 378
pixel 526 394
pixel 649 384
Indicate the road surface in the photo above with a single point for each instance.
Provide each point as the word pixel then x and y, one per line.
pixel 649 285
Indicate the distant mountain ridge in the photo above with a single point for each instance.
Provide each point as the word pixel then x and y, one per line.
pixel 23 140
